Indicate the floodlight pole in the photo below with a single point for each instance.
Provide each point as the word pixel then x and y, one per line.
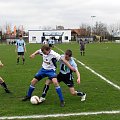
pixel 92 25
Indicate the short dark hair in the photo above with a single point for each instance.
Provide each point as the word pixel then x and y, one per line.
pixel 45 47
pixel 20 35
pixel 69 53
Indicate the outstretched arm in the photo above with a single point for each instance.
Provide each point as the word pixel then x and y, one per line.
pixel 34 54
pixel 78 76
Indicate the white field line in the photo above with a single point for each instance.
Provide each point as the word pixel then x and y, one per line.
pixel 60 115
pixel 94 72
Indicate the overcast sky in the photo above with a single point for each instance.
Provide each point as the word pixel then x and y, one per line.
pixel 34 14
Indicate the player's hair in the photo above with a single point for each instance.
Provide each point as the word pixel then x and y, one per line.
pixel 69 53
pixel 20 35
pixel 45 47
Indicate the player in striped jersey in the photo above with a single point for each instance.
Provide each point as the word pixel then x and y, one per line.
pixel 48 70
pixel 65 75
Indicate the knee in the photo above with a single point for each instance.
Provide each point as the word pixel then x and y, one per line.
pixel 33 82
pixel 56 83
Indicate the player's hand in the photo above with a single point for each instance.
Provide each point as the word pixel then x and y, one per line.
pixel 32 56
pixel 78 80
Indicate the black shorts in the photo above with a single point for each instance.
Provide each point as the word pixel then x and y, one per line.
pixel 50 45
pixel 66 78
pixel 82 49
pixel 20 53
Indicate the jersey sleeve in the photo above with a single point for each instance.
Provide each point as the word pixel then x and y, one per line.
pixel 40 52
pixel 57 56
pixel 73 64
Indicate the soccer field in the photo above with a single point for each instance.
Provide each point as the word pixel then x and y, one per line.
pixel 104 58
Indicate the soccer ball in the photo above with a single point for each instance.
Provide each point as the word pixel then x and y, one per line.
pixel 35 100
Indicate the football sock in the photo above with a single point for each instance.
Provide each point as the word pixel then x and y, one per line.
pixel 4 85
pixel 80 93
pixel 31 89
pixel 81 53
pixel 46 88
pixel 59 92
pixel 23 60
pixel 17 60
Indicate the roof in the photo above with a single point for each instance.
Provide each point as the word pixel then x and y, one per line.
pixel 78 31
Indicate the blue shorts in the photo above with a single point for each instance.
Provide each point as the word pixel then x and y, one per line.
pixel 42 73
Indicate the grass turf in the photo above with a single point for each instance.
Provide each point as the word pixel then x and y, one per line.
pixel 103 58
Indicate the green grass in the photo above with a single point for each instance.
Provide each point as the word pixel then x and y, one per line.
pixel 103 58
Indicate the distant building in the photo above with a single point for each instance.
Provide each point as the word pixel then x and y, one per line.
pixel 38 36
pixel 75 33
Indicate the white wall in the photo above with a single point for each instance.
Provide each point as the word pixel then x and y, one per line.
pixel 38 34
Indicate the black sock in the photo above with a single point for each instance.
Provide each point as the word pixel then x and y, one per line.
pixel 81 53
pixel 23 60
pixel 4 85
pixel 46 88
pixel 17 60
pixel 80 93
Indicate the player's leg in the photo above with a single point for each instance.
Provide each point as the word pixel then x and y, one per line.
pixel 3 84
pixel 34 81
pixel 18 58
pixel 84 52
pixel 59 91
pixel 45 90
pixel 69 82
pixel 31 89
pixel 81 51
pixel 78 93
pixel 23 58
pixel 46 87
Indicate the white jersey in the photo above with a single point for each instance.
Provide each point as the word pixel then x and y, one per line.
pixel 45 42
pixel 49 61
pixel 50 41
pixel 64 69
pixel 20 45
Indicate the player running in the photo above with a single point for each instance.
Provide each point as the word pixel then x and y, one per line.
pixel 66 76
pixel 48 70
pixel 2 83
pixel 20 48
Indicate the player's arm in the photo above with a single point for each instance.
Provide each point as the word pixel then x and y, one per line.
pixel 78 76
pixel 35 53
pixel 25 47
pixel 67 63
pixel 76 71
